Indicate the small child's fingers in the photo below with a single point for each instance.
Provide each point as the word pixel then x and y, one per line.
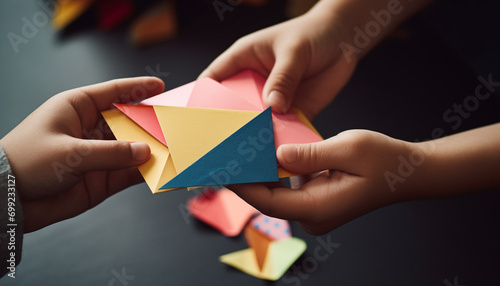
pixel 124 90
pixel 284 79
pixel 281 202
pixel 333 153
pixel 110 155
pixel 239 56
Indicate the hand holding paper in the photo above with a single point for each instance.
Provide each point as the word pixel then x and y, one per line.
pixel 61 169
pixel 207 133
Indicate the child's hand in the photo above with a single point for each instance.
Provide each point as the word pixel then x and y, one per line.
pixel 360 171
pixel 301 57
pixel 59 172
pixel 353 184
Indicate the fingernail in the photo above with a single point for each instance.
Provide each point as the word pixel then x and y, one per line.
pixel 277 99
pixel 289 153
pixel 140 151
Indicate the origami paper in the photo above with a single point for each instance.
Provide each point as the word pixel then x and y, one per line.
pixel 213 133
pixel 247 156
pixel 261 231
pixel 145 117
pixel 280 256
pixel 259 243
pixel 192 132
pixel 203 93
pixel 113 12
pixel 68 11
pixel 222 209
pixel 292 127
pixel 159 169
pixel 271 227
pixel 248 84
pixel 158 24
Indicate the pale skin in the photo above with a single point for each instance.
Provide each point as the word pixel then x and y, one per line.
pixel 55 130
pixel 306 68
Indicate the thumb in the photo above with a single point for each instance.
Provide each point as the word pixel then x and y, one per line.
pixel 283 81
pixel 315 157
pixel 110 155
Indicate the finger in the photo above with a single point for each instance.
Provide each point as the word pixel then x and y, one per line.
pixel 281 202
pixel 88 101
pixel 298 181
pixel 102 184
pixel 110 155
pixel 332 153
pixel 119 180
pixel 241 55
pixel 283 80
pixel 318 91
pixel 102 95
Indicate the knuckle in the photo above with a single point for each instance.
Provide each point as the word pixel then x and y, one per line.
pixel 283 80
pixel 243 42
pixel 310 154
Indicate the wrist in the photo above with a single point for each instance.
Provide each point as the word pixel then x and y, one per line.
pixel 414 173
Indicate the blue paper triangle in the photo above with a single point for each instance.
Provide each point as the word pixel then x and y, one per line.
pixel 247 156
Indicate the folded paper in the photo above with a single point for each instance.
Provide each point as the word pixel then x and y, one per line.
pixel 214 133
pixel 223 210
pixel 271 227
pixel 263 230
pixel 159 169
pixel 68 11
pixel 246 156
pixel 280 256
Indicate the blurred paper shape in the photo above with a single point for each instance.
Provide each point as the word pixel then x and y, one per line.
pixel 280 256
pixel 271 227
pixel 113 12
pixel 158 24
pixel 223 210
pixel 68 11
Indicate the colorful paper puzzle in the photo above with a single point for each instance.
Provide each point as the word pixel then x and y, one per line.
pixel 272 248
pixel 207 133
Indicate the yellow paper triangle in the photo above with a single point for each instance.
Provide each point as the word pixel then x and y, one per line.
pixel 159 168
pixel 192 132
pixel 68 11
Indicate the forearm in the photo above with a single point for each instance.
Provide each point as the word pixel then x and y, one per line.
pixel 464 163
pixel 363 24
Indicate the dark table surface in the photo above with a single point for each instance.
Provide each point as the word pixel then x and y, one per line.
pixel 401 89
